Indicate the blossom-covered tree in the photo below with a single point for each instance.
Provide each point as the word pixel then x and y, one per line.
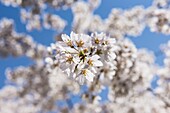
pixel 95 57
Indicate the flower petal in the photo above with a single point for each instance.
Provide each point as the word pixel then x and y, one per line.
pixel 65 37
pixel 89 76
pixel 95 57
pixel 81 80
pixel 97 63
pixel 73 36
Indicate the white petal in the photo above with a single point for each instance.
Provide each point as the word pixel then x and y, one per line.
pixel 95 57
pixel 89 76
pixel 97 63
pixel 85 38
pixel 67 71
pixel 61 48
pixel 93 69
pixel 65 37
pixel 71 50
pixel 76 60
pixel 100 36
pixel 112 56
pixel 73 36
pixel 81 79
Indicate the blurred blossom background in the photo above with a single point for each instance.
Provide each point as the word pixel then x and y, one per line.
pixel 52 20
pixel 148 39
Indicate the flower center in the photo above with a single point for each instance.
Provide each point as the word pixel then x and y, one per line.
pixel 69 59
pixel 90 62
pixel 69 43
pixel 97 41
pixel 79 43
pixel 84 72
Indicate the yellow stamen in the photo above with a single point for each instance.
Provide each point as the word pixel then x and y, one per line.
pixel 85 50
pixel 90 62
pixel 97 41
pixel 79 43
pixel 106 42
pixel 84 72
pixel 69 43
pixel 69 59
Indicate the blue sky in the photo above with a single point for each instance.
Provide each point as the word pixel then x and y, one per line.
pixel 147 39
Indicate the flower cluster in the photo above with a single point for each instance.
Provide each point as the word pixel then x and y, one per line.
pixel 32 13
pixel 158 20
pixel 148 104
pixel 36 88
pixel 130 18
pixel 48 21
pixel 116 74
pixel 13 43
pixel 120 22
pixel 81 56
pixel 161 3
pixel 163 72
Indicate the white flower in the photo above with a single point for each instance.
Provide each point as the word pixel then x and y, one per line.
pixel 66 39
pixel 80 55
pixel 85 74
pixel 94 61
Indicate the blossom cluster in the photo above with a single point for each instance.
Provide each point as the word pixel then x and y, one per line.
pixel 158 20
pixel 94 69
pixel 164 79
pixel 81 56
pixel 37 89
pixel 32 13
pixel 38 21
pixel 13 43
pixel 118 24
